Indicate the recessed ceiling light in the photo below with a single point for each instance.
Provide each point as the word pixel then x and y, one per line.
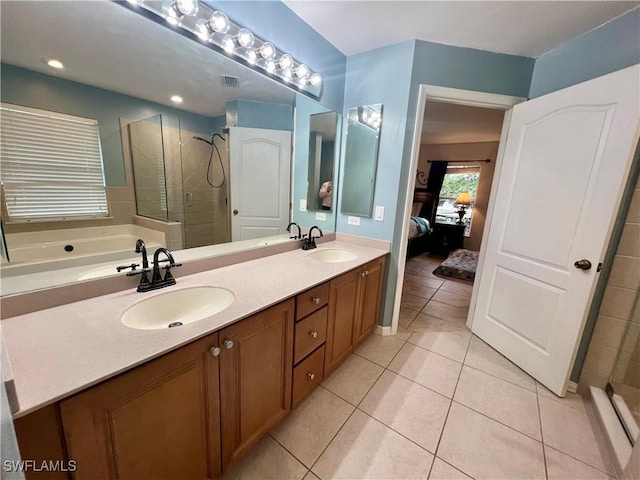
pixel 176 99
pixel 55 63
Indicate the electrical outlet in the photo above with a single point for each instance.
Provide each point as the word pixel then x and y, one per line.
pixel 303 205
pixel 353 221
pixel 379 216
pixel 321 216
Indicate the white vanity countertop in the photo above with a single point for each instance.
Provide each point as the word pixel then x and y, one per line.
pixel 59 351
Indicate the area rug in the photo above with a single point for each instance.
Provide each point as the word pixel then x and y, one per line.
pixel 460 264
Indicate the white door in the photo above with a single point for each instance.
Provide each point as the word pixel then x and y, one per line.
pixel 565 162
pixel 260 179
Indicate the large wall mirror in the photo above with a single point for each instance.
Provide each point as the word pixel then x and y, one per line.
pixel 169 167
pixel 360 160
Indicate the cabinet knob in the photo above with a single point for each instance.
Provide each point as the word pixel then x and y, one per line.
pixel 215 351
pixel 313 334
pixel 311 376
pixel 366 273
pixel 362 274
pixel 228 344
pixel 316 300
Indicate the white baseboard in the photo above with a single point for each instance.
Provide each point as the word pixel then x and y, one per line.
pixel 572 387
pixel 384 331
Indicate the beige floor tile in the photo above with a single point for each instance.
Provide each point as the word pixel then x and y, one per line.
pixel 440 336
pixel 310 476
pixel 402 334
pixel 412 302
pixel 353 379
pixel 563 467
pixel 572 400
pixel 457 287
pixel 441 470
pixel 424 281
pixel 366 449
pixel 505 402
pixel 310 428
pixel 379 349
pixel 429 369
pixel 406 317
pixel 267 460
pixel 571 431
pixel 446 312
pixel 420 290
pixel 410 409
pixel 482 357
pixel 452 299
pixel 486 449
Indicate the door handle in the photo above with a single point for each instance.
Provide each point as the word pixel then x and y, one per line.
pixel 235 212
pixel 583 264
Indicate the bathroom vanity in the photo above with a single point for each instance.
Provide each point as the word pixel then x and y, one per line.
pixel 193 399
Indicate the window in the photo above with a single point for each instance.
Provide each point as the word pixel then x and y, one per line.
pixel 459 178
pixel 50 165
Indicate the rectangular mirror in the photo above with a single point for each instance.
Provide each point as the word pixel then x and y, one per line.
pixel 322 156
pixel 360 160
pixel 142 67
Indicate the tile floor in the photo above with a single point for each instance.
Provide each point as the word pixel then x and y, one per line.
pixel 432 402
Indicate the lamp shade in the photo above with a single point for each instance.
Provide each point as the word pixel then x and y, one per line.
pixel 463 198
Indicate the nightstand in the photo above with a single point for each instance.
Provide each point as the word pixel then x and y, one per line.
pixel 448 237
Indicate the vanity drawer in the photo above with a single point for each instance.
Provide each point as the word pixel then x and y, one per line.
pixel 311 300
pixel 308 375
pixel 310 334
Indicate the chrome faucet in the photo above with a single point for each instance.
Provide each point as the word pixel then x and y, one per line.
pixel 310 241
pixel 295 237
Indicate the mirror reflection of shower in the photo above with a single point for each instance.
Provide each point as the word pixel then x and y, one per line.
pixel 180 177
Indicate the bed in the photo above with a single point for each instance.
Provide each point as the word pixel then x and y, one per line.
pixel 419 228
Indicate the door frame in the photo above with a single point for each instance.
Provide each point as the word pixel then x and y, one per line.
pixel 456 96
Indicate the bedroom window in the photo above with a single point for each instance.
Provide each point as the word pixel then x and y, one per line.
pixel 50 165
pixel 459 178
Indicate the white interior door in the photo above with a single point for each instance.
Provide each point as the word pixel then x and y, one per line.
pixel 260 179
pixel 565 163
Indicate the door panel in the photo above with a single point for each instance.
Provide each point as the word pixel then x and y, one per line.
pixel 564 165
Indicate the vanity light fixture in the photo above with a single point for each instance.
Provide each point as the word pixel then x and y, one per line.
pixel 216 30
pixel 53 63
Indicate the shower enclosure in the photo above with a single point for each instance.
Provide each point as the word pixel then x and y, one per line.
pixel 179 176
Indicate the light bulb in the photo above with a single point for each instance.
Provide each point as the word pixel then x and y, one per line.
pixel 302 71
pixel 285 62
pixel 176 99
pixel 187 7
pixel 228 44
pixel 287 74
pixel 55 64
pixel 202 29
pixel 252 56
pixel 267 50
pixel 315 79
pixel 219 22
pixel 270 66
pixel 245 37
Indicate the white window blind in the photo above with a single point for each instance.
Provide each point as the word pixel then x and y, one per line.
pixel 50 165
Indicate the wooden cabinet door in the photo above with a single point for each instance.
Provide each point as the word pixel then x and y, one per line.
pixel 255 378
pixel 343 302
pixel 370 290
pixel 159 420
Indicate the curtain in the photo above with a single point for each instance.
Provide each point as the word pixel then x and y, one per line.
pixel 434 185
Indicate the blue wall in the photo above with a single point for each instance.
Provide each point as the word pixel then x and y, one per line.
pixel 613 46
pixel 274 21
pixel 36 90
pixel 250 114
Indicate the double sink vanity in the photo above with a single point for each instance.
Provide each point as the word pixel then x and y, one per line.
pixel 181 382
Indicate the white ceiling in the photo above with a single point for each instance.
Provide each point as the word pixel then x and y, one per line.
pixel 450 123
pixel 106 45
pixel 526 28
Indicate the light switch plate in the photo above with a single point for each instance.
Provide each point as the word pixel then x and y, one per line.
pixel 303 205
pixel 321 216
pixel 379 216
pixel 353 221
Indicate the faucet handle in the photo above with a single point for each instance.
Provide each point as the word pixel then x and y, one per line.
pixel 133 266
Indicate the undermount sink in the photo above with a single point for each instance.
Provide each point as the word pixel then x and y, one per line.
pixel 177 307
pixel 333 255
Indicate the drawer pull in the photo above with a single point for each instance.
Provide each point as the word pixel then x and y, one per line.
pixel 311 376
pixel 313 334
pixel 316 300
pixel 228 344
pixel 362 274
pixel 366 273
pixel 215 351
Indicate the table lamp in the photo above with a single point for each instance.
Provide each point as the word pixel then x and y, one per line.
pixel 463 200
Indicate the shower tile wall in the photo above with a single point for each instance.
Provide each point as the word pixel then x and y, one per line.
pixel 617 328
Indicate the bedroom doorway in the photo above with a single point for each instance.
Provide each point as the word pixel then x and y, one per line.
pixel 458 142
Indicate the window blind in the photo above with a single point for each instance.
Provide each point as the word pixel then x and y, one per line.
pixel 50 165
